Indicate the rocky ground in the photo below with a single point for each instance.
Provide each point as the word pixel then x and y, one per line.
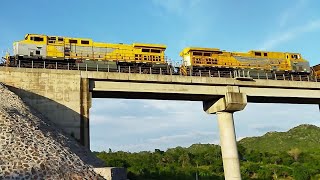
pixel 31 147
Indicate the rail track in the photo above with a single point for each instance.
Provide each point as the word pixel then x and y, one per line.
pixel 245 75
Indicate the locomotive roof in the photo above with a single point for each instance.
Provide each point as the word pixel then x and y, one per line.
pixel 188 49
pixel 160 46
pixel 316 67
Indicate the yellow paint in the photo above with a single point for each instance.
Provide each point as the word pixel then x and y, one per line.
pixel 7 58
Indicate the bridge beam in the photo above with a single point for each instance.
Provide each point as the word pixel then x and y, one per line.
pixel 224 108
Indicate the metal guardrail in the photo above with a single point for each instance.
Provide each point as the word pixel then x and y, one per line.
pixel 238 74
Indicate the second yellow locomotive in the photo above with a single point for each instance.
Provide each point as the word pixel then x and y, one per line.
pixel 195 59
pixel 316 70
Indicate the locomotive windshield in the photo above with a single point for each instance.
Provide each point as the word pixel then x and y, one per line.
pixel 295 56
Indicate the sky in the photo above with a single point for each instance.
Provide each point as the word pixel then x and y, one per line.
pixel 139 125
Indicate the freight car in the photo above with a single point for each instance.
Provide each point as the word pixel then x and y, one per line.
pixel 211 59
pixel 43 50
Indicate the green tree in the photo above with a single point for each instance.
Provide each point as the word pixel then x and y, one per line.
pixel 295 153
pixel 301 173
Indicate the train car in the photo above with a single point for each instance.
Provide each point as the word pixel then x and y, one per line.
pixel 39 48
pixel 316 70
pixel 204 59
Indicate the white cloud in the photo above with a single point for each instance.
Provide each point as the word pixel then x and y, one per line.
pixel 292 24
pixel 292 33
pixel 194 18
pixel 196 135
pixel 147 116
pixel 159 126
pixel 180 106
pixel 176 6
pixel 112 104
pixel 292 12
pixel 162 142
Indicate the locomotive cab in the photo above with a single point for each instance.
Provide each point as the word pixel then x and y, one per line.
pixel 297 63
pixel 32 47
pixel 200 56
pixel 316 71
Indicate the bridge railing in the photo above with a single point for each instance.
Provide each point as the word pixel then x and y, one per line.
pixel 170 70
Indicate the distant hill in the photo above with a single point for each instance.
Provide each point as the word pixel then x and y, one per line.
pixel 304 137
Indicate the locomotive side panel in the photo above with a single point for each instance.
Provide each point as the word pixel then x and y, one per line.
pixel 55 52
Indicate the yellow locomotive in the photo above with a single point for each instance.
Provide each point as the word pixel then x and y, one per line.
pixel 316 70
pixel 41 48
pixel 195 59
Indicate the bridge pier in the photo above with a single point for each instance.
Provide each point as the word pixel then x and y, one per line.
pixel 224 108
pixel 85 105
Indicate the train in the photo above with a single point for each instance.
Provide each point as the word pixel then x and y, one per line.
pixel 205 59
pixel 52 51
pixel 316 70
pixel 39 48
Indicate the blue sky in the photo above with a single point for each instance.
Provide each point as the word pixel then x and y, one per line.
pixel 133 125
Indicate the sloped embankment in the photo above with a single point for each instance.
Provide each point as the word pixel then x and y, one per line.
pixel 31 147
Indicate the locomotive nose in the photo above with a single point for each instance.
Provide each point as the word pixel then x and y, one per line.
pixel 301 67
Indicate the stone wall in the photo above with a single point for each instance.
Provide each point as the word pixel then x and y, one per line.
pixel 31 147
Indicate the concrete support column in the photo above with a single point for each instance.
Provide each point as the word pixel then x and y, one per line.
pixel 85 105
pixel 224 108
pixel 228 143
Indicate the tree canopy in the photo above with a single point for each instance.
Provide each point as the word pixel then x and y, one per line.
pixel 287 155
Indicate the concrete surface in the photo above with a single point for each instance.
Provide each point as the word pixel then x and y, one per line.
pixel 112 173
pixel 228 143
pixel 224 108
pixel 166 87
pixel 58 95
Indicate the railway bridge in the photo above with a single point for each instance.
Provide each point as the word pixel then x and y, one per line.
pixel 64 97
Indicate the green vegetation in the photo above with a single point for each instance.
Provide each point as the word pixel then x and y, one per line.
pixel 278 155
pixel 303 137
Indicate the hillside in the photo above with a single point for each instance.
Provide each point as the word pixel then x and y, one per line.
pixel 304 137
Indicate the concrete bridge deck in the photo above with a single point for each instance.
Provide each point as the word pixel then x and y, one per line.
pixel 168 87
